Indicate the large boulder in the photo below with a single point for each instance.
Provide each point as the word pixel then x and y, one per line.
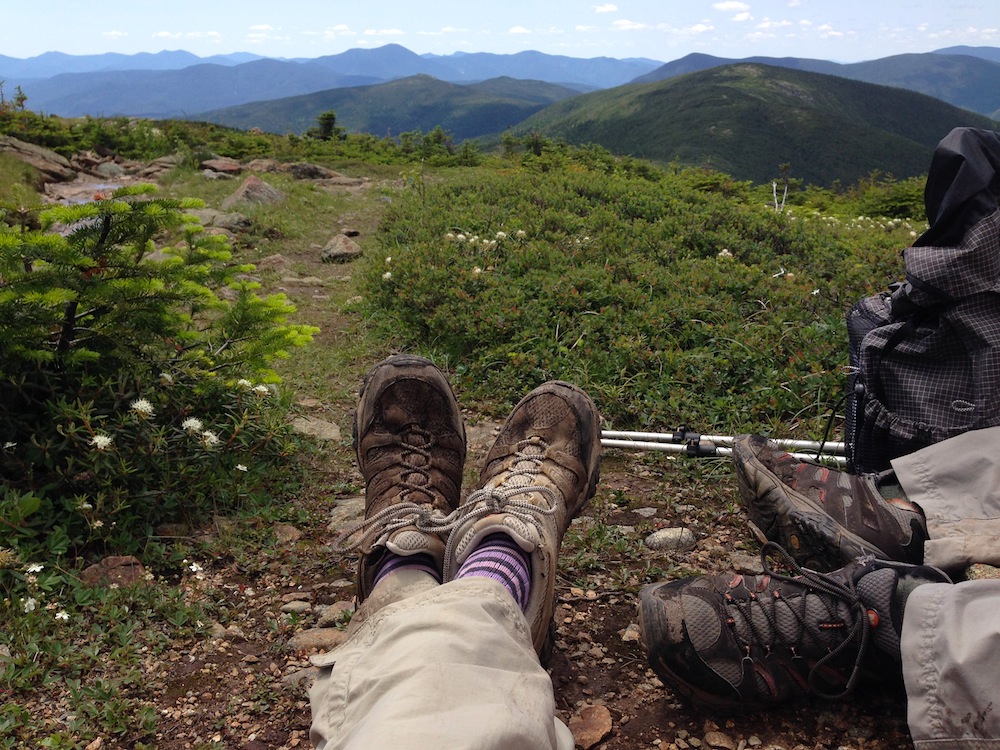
pixel 51 166
pixel 253 191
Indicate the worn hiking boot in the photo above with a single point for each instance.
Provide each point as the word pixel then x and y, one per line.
pixel 824 517
pixel 410 442
pixel 736 642
pixel 539 474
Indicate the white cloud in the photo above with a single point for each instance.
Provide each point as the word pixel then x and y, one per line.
pixel 767 23
pixel 114 34
pixel 729 6
pixel 585 28
pixel 166 35
pixel 518 30
pixel 626 25
pixel 606 8
pixel 262 27
pixel 341 29
pixel 383 32
pixel 699 28
pixel 444 30
pixel 742 17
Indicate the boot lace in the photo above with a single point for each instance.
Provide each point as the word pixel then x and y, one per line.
pixel 813 582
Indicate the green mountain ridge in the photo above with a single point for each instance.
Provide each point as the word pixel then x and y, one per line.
pixel 420 102
pixel 746 119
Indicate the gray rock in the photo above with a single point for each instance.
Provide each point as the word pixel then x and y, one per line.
pixel 301 678
pixel 223 165
pixel 671 540
pixel 346 511
pixel 286 534
pixel 720 740
pixel 317 639
pixel 340 249
pixel 253 191
pixel 52 166
pixel 296 607
pixel 333 614
pixel 317 428
pixel 110 170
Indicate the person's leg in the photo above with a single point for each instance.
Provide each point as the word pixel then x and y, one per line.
pixel 409 439
pixel 540 473
pixel 452 666
pixel 951 661
pixel 428 665
pixel 957 485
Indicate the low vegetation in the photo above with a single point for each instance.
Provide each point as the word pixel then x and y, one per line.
pixel 141 360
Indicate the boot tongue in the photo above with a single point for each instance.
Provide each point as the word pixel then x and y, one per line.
pixel 883 591
pixel 883 603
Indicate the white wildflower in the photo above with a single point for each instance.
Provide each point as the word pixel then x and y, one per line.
pixel 101 442
pixel 209 439
pixel 98 523
pixel 387 275
pixel 192 424
pixel 477 270
pixel 35 568
pixel 85 506
pixel 815 292
pixel 262 390
pixel 501 235
pixel 725 253
pixel 62 614
pixel 388 259
pixel 8 445
pixel 166 378
pixel 460 238
pixel 520 234
pixel 142 408
pixel 244 383
pixel 450 236
pixel 195 567
pixel 29 604
pixel 241 467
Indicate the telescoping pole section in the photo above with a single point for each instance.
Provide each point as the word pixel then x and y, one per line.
pixel 695 445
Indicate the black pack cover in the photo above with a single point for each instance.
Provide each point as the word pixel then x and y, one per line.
pixel 925 355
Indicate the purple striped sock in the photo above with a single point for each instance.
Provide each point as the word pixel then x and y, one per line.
pixel 498 557
pixel 392 562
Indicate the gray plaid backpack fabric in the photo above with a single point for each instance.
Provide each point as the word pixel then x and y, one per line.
pixel 925 354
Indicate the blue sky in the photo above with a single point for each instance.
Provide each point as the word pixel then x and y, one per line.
pixel 841 30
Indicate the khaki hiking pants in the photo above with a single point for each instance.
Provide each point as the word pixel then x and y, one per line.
pixel 436 667
pixel 951 633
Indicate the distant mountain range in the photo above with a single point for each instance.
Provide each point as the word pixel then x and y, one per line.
pixel 178 84
pixel 833 121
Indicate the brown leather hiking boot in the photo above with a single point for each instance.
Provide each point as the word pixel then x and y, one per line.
pixel 540 473
pixel 410 443
pixel 736 642
pixel 824 517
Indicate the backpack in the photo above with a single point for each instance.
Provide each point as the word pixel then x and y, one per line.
pixel 925 354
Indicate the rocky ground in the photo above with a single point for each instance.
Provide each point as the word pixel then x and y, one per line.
pixel 245 687
pixel 245 684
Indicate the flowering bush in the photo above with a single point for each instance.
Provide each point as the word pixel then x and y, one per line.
pixel 674 297
pixel 137 384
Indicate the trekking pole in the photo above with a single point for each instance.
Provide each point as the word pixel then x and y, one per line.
pixel 696 445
